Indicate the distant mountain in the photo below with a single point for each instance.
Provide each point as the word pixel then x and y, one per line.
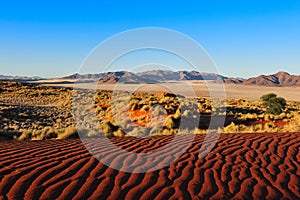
pixel 234 80
pixel 156 76
pixel 166 75
pixel 124 77
pixel 153 76
pixel 111 78
pixel 279 79
pixel 84 76
pixel 20 77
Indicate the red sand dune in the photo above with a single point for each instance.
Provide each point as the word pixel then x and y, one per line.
pixel 241 166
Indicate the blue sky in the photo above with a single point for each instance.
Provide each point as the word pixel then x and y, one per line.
pixel 244 38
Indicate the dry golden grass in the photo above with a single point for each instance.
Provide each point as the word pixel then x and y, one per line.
pixel 39 112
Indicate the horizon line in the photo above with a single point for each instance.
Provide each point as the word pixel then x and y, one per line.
pixel 75 73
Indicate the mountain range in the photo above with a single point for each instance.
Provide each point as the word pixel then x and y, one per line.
pixel 279 79
pixel 150 77
pixel 19 77
pixel 156 76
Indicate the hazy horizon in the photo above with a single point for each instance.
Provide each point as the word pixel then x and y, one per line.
pixel 147 71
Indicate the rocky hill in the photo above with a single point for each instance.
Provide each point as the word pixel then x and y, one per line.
pixel 279 79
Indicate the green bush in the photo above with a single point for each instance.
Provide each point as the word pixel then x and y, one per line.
pixel 274 105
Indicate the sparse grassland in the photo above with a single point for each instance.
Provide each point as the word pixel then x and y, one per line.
pixel 33 112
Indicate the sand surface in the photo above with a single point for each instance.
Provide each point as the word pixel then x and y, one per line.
pixel 199 88
pixel 241 166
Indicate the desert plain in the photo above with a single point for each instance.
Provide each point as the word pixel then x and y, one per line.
pixel 42 157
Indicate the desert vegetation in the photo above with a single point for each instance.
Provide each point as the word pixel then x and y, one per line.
pixel 34 112
pixel 144 114
pixel 275 105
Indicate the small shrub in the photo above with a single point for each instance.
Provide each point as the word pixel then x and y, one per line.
pixel 119 133
pixel 274 105
pixel 177 114
pixel 69 132
pixel 170 123
pixel 231 128
pixel 108 128
pixel 158 110
pixel 26 135
pixel 145 108
pixel 166 132
pixel 201 131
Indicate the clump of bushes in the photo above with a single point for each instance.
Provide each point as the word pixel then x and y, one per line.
pixel 274 105
pixel 255 128
pixel 69 132
pixel 153 114
pixel 108 128
pixel 170 123
pixel 49 133
pixel 233 128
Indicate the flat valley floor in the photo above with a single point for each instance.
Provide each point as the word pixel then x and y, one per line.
pixel 195 88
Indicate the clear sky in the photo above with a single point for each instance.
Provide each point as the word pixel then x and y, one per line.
pixel 244 38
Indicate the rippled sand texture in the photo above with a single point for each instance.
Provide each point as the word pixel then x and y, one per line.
pixel 241 166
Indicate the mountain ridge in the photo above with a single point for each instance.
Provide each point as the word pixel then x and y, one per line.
pixel 20 77
pixel 280 78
